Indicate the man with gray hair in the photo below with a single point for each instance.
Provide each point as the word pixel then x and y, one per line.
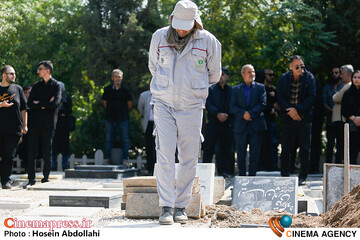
pixel 337 118
pixel 296 96
pixel 248 101
pixel 117 102
pixel 184 60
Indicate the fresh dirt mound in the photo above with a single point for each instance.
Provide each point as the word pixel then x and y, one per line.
pixel 227 217
pixel 346 212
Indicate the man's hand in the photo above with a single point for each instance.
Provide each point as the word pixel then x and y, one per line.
pixel 292 112
pixel 24 130
pixel 222 117
pixel 247 116
pixel 6 104
pixel 357 121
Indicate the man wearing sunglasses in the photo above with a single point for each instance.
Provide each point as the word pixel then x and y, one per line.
pixel 13 117
pixel 296 96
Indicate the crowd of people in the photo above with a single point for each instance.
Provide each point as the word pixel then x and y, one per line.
pixel 37 118
pixel 302 105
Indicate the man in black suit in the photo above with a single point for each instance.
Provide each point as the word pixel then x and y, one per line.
pixel 43 103
pixel 219 127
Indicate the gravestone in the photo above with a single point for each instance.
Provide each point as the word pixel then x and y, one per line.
pixel 99 157
pixel 265 193
pixel 334 178
pixel 100 171
pixel 86 199
pixel 206 174
pixel 55 186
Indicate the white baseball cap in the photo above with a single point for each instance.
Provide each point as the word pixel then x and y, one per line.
pixel 184 15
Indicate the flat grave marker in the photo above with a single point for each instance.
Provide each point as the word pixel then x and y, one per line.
pixel 266 193
pixel 104 199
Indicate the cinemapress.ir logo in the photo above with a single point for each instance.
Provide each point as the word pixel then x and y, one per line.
pixel 278 224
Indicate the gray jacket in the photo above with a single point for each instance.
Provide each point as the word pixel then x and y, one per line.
pixel 181 80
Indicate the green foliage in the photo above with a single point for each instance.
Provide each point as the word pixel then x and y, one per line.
pixel 340 17
pixel 265 33
pixel 38 30
pixel 292 28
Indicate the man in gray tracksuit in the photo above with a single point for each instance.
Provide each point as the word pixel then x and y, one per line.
pixel 184 60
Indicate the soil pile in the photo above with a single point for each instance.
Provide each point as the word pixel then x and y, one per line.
pixel 227 217
pixel 346 212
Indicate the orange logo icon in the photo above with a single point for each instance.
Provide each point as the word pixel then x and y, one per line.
pixel 277 224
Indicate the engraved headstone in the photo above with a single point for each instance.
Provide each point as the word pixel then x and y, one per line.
pixel 265 193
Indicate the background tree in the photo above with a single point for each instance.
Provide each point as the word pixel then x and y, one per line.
pixel 340 17
pixel 266 33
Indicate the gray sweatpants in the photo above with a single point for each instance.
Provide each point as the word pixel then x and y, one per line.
pixel 181 129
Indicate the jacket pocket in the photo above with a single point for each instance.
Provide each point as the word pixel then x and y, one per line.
pixel 200 87
pixel 199 59
pixel 199 84
pixel 165 56
pixel 161 80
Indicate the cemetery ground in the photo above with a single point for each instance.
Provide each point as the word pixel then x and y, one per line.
pixel 34 203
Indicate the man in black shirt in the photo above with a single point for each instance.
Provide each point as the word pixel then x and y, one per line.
pixel 13 117
pixel 117 103
pixel 43 103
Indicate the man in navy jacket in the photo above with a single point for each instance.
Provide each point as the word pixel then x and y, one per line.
pixel 296 96
pixel 248 102
pixel 219 127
